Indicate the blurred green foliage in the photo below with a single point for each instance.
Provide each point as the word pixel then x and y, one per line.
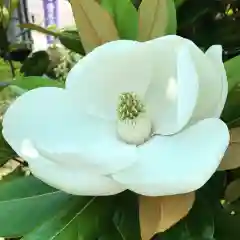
pixel 209 22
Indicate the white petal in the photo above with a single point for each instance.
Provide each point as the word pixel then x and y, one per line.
pixel 172 94
pixel 215 53
pixel 51 121
pixel 113 68
pixel 180 163
pixel 94 144
pixel 72 180
pixel 213 87
pixel 35 113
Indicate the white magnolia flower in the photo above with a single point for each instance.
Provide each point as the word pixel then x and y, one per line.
pixel 138 116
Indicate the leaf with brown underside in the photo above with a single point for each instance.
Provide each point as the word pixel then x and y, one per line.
pixel 232 192
pixel 231 159
pixel 157 214
pixel 156 18
pixel 94 24
pixel 152 19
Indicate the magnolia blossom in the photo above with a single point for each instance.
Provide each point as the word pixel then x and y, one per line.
pixel 138 116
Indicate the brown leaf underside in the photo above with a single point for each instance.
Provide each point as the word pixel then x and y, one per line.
pixel 157 214
pixel 94 24
pixel 152 19
pixel 231 159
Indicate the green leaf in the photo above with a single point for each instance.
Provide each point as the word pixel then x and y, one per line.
pixel 200 221
pixel 83 218
pixel 227 226
pixel 126 218
pixel 178 3
pixel 125 17
pixel 40 29
pixel 36 65
pixel 5 155
pixel 171 27
pixel 231 111
pixel 6 152
pixel 71 40
pixel 233 191
pixel 233 73
pixel 102 218
pixel 113 233
pixel 27 202
pixel 29 83
pixel 198 225
pixel 58 224
pixel 17 91
pixel 5 71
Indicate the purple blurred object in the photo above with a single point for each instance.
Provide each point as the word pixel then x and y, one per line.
pixel 50 15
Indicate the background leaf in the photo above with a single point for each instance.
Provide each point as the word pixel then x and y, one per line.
pixel 71 40
pixel 27 202
pixel 94 23
pixel 29 83
pixel 35 27
pixel 126 218
pixel 232 192
pixel 92 218
pixel 200 223
pixel 125 17
pixel 231 113
pixel 36 65
pixel 6 152
pixel 233 73
pixel 157 214
pixel 156 18
pixel 67 218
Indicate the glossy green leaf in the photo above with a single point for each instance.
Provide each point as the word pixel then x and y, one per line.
pixel 27 202
pixel 83 218
pixel 71 40
pixel 231 111
pixel 171 27
pixel 29 83
pixel 58 225
pixel 125 17
pixel 125 217
pixel 17 91
pixel 233 74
